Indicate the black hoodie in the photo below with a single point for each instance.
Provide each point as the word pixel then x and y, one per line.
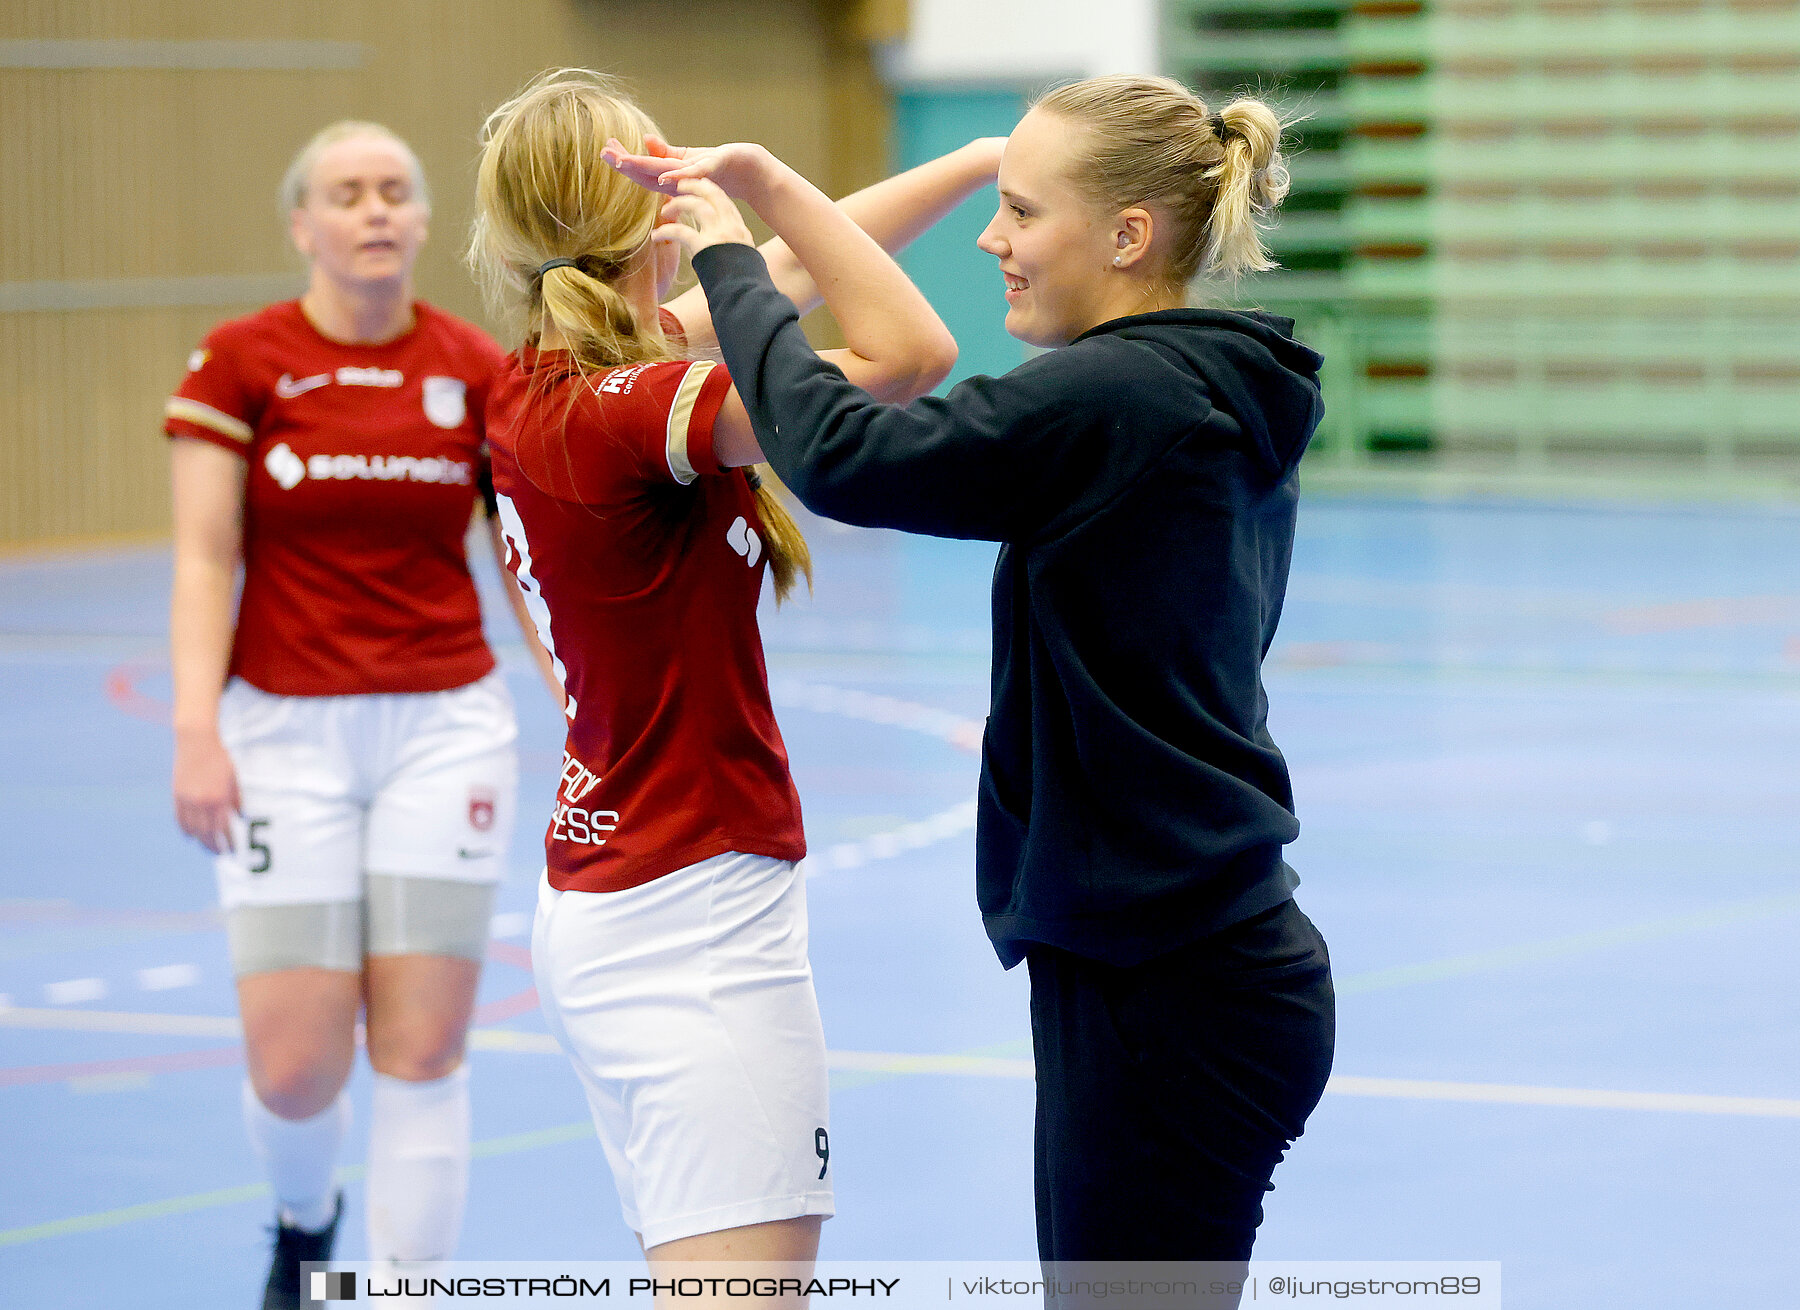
pixel 1142 482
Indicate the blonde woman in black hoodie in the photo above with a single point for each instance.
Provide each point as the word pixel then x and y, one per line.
pixel 1140 477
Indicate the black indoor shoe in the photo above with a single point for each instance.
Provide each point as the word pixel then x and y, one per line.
pixel 293 1247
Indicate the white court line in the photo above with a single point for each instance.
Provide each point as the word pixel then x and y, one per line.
pixel 1408 1089
pixel 853 703
pixel 885 845
pixel 890 711
pixel 980 1066
pixel 512 1041
pixel 120 1021
pixel 76 991
pixel 165 977
pixel 970 1066
pixel 511 923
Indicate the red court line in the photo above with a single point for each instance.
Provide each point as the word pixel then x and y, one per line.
pixel 507 1007
pixel 121 690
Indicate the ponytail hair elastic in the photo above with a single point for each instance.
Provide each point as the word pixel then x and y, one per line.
pixel 1217 123
pixel 549 264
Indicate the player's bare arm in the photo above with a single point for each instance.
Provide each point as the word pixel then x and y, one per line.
pixel 209 520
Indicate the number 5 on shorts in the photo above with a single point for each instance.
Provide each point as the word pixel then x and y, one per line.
pixel 822 1149
pixel 259 844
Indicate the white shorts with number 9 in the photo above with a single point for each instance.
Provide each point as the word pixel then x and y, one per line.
pixel 687 1007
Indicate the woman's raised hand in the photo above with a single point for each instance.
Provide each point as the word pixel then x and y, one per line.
pixel 737 167
pixel 700 214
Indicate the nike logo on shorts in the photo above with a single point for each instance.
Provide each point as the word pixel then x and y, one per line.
pixel 287 386
pixel 472 855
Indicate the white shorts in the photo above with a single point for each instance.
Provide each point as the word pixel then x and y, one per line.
pixel 334 787
pixel 687 1007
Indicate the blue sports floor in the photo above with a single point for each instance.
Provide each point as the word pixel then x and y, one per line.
pixel 1547 762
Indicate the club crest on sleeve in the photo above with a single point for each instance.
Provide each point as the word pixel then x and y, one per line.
pixel 444 401
pixel 742 538
pixel 481 808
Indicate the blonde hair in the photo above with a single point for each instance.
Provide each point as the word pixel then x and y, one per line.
pixel 542 192
pixel 1153 142
pixel 298 178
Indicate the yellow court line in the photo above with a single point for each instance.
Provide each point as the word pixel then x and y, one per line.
pixel 1409 1089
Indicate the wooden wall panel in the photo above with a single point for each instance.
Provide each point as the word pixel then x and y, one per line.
pixel 80 395
pixel 168 175
pixel 151 173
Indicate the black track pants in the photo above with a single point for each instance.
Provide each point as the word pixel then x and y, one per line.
pixel 1168 1091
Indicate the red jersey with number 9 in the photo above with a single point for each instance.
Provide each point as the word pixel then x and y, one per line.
pixel 642 562
pixel 364 466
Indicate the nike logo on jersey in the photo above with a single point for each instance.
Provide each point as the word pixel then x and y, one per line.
pixel 288 386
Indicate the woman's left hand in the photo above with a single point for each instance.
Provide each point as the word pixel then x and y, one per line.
pixel 738 167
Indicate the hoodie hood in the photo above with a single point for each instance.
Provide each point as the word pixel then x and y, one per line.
pixel 1253 368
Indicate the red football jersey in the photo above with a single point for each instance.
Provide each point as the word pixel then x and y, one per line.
pixel 364 465
pixel 642 562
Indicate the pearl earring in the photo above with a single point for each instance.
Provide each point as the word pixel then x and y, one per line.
pixel 1115 261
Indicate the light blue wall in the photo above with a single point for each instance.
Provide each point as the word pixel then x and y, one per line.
pixel 961 282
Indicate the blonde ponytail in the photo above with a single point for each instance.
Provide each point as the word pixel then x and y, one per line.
pixel 1250 181
pixel 789 555
pixel 596 320
pixel 1217 178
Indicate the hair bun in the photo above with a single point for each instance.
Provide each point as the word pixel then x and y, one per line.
pixel 1257 125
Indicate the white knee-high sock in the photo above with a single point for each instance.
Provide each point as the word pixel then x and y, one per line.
pixel 418 1166
pixel 298 1156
